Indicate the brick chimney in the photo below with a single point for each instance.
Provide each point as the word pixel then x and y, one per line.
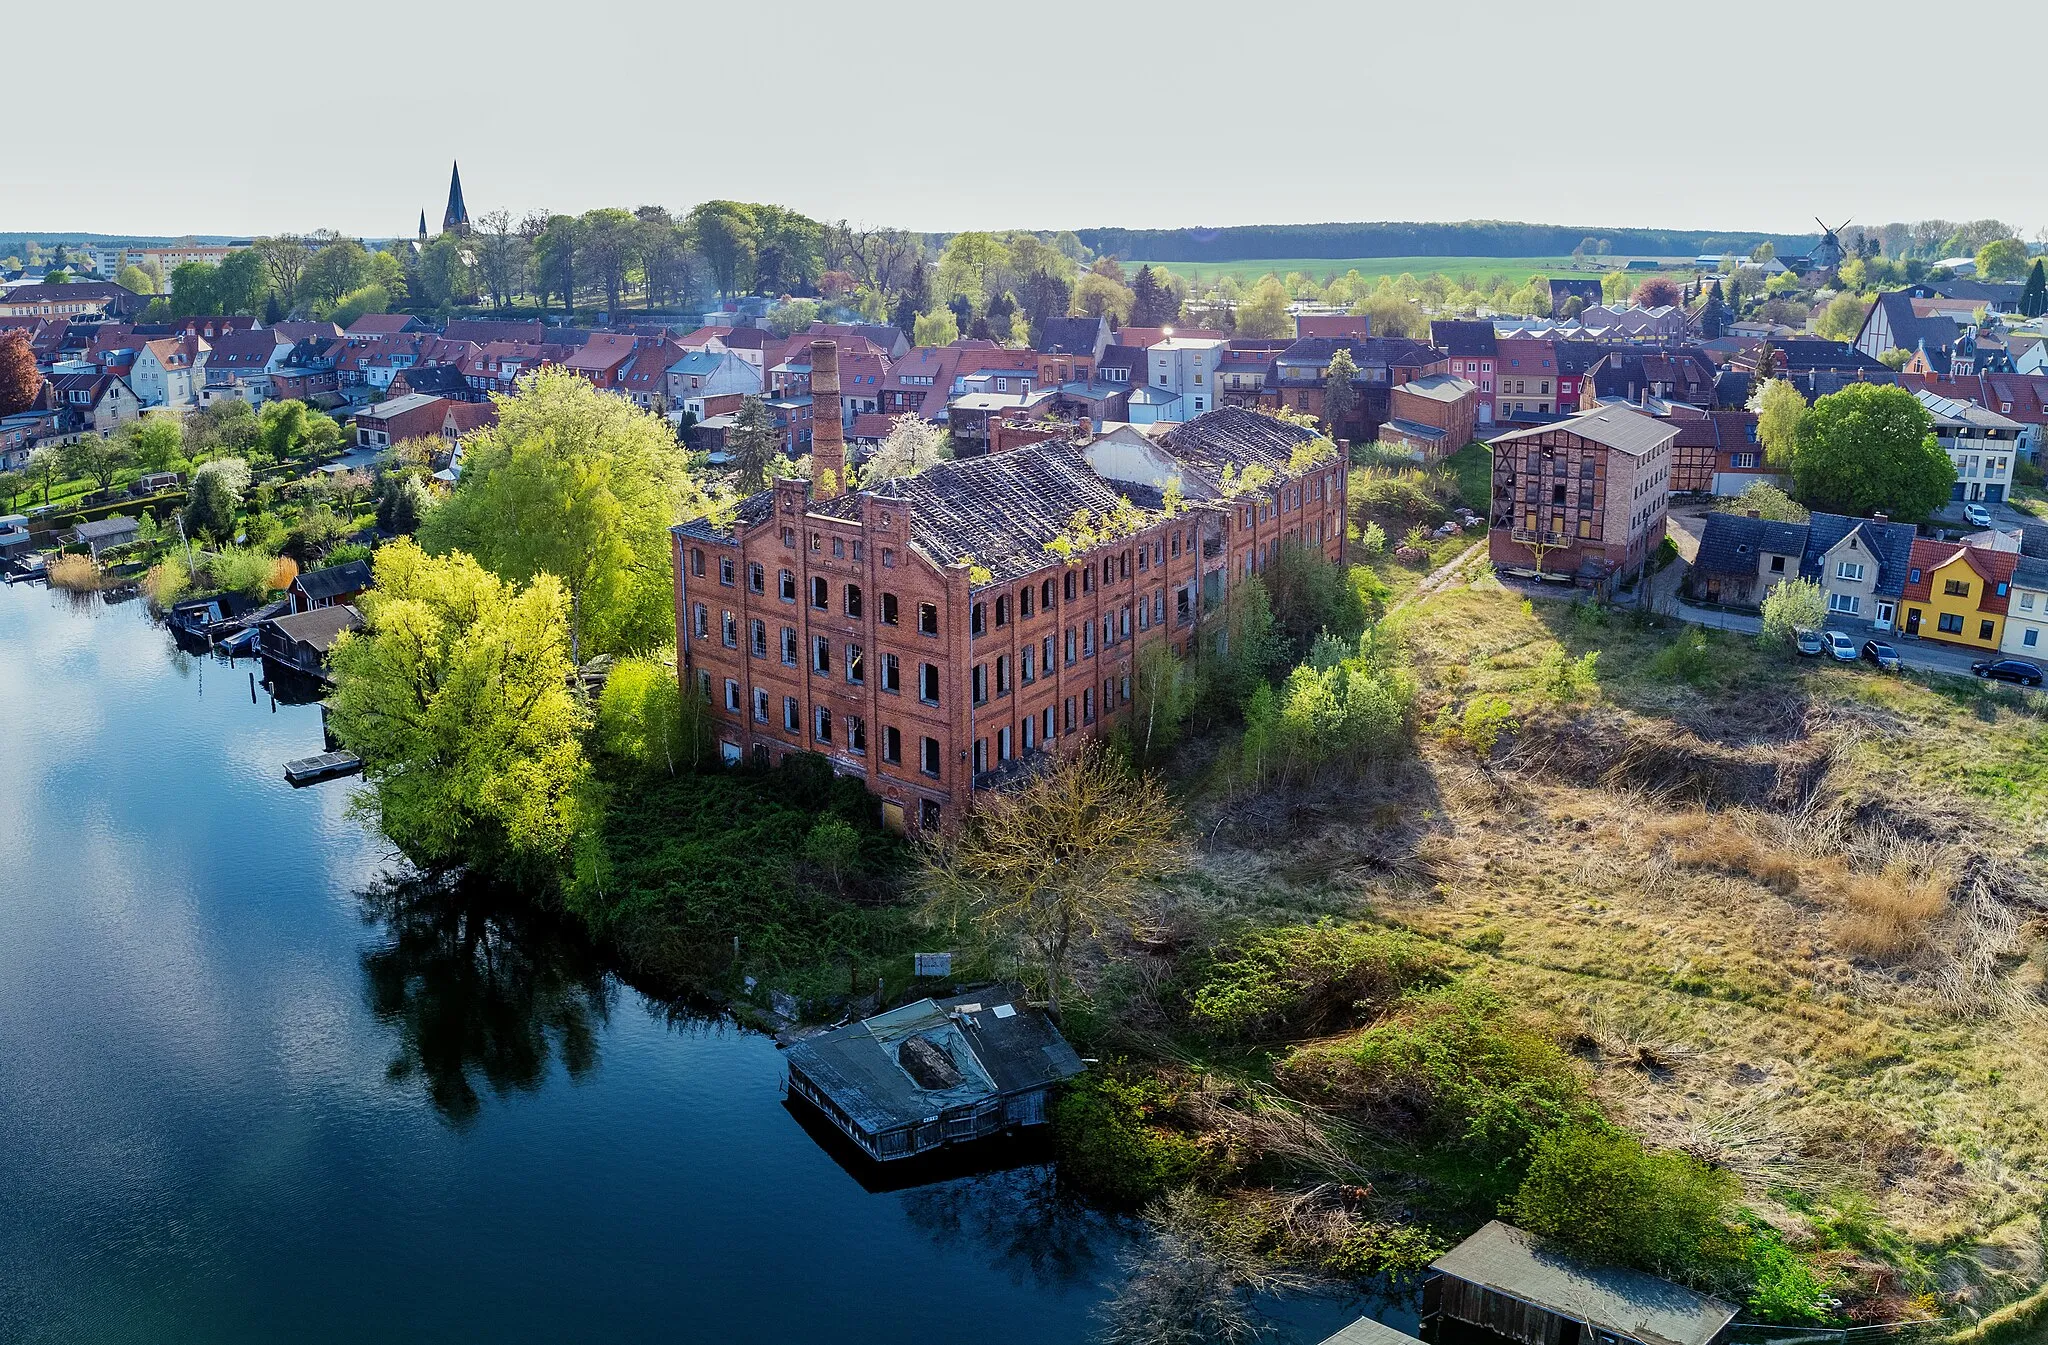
pixel 828 440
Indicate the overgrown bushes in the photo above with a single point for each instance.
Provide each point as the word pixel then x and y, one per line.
pixel 1308 980
pixel 1110 1141
pixel 1454 1064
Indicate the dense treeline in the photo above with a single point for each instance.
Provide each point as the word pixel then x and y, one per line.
pixel 1467 238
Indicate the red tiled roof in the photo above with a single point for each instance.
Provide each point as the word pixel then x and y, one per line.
pixel 1993 567
pixel 871 425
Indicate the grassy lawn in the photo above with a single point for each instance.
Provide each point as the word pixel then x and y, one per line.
pixel 1787 914
pixel 1473 466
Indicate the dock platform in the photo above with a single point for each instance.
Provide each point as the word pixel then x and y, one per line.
pixel 326 766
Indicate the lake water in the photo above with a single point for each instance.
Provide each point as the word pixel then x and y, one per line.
pixel 252 1090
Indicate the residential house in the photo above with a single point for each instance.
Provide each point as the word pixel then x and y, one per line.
pixel 1980 442
pixel 1637 375
pixel 308 372
pixel 1242 368
pixel 1068 349
pixel 1335 326
pixel 602 358
pixel 1527 379
pixel 499 365
pixel 466 418
pixel 240 365
pixel 1584 497
pixel 2020 397
pixel 645 380
pixel 973 417
pixel 1563 289
pixel 1741 559
pixel 483 331
pixel 1861 565
pixel 1894 324
pixel 927 635
pixel 381 327
pixel 169 371
pixel 1144 338
pixel 707 383
pixel 921 382
pixel 1957 594
pixel 2026 621
pixel 96 402
pixel 1185 366
pixel 791 417
pixel 1301 372
pixel 1432 416
pixel 81 300
pixel 1633 322
pixel 335 585
pixel 397 419
pixel 1473 349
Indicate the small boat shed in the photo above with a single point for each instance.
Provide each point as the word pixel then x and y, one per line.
pixel 935 1072
pixel 1503 1282
pixel 1366 1331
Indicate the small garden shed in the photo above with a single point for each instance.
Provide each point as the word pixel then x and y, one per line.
pixel 1505 1283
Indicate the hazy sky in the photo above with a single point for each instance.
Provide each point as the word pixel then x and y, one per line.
pixel 941 116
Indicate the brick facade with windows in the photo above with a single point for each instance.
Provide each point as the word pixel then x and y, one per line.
pixel 1585 497
pixel 920 633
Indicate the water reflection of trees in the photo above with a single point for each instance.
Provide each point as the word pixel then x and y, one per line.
pixel 1039 1233
pixel 482 991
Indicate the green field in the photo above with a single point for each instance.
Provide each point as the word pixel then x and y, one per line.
pixel 1515 270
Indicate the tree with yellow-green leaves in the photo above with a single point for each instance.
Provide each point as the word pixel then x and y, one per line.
pixel 1779 410
pixel 1264 310
pixel 1064 857
pixel 456 696
pixel 584 486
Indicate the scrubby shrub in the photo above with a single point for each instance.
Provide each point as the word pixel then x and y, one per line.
pixel 1395 493
pixel 1785 1286
pixel 346 552
pixel 1310 594
pixel 1110 1142
pixel 1450 1064
pixel 1796 604
pixel 1308 979
pixel 1373 539
pixel 1598 1189
pixel 242 569
pixel 76 573
pixel 1688 659
pixel 1485 719
pixel 1566 678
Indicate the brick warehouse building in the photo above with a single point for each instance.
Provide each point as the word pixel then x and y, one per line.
pixel 921 633
pixel 1585 497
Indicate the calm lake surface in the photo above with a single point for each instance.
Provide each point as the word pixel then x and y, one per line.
pixel 252 1089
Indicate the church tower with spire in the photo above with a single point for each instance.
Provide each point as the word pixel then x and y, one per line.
pixel 456 220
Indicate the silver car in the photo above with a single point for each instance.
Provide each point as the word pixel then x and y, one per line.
pixel 1841 646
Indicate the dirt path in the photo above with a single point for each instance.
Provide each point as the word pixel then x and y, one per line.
pixel 1438 577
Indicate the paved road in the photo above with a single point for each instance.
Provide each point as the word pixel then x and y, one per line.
pixel 1919 655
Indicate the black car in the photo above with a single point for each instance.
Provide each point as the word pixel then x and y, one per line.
pixel 1882 654
pixel 2010 670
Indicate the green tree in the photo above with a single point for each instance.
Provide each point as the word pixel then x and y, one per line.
pixel 1165 692
pixel 753 443
pixel 1264 312
pixel 193 291
pixel 1842 318
pixel 2034 298
pixel 973 267
pixel 912 445
pixel 403 503
pixel 20 380
pixel 241 282
pixel 43 466
pixel 345 310
pixel 1340 398
pixel 1099 296
pixel 1794 605
pixel 646 724
pixel 456 697
pixel 582 485
pixel 1392 315
pixel 2002 259
pixel 1065 856
pixel 333 271
pixel 135 280
pixel 610 239
pixel 936 328
pixel 156 442
pixel 284 260
pixel 1765 500
pixel 1871 447
pixel 1152 303
pixel 726 235
pixel 97 458
pixel 1780 408
pixel 213 502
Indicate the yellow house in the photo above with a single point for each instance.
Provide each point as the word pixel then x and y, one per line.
pixel 1957 594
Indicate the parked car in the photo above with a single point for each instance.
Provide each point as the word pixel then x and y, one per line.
pixel 1841 646
pixel 1978 515
pixel 1882 654
pixel 1807 642
pixel 2009 670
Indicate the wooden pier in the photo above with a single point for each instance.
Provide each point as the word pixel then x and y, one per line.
pixel 326 766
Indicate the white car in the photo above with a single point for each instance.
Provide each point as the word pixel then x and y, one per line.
pixel 1841 646
pixel 1978 515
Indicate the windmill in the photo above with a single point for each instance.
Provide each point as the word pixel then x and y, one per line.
pixel 1828 254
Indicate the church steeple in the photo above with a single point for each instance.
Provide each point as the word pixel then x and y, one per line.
pixel 456 221
pixel 423 226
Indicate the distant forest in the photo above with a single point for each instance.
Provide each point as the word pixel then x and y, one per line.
pixel 1470 238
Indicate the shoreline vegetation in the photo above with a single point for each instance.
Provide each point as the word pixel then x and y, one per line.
pixel 1450 907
